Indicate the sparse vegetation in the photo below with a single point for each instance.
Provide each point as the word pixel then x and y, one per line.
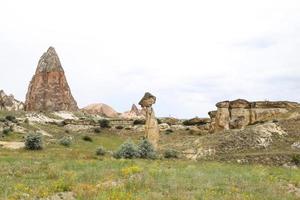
pixel 34 141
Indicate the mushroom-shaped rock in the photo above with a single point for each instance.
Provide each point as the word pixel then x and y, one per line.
pixel 151 125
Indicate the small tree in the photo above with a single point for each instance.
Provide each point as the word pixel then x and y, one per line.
pixel 127 150
pixel 34 141
pixel 146 149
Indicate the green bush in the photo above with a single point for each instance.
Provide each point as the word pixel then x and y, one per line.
pixel 139 122
pixel 127 150
pixel 119 127
pixel 87 138
pixel 104 123
pixel 171 153
pixel 100 151
pixel 146 149
pixel 34 141
pixel 26 121
pixel 97 130
pixel 65 141
pixel 296 159
pixel 168 131
pixel 6 131
pixel 11 118
pixel 159 121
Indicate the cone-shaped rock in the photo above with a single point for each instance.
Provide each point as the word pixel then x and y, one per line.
pixel 48 89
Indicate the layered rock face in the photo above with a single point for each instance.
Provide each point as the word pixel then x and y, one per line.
pixel 9 103
pixel 101 109
pixel 239 113
pixel 48 89
pixel 151 125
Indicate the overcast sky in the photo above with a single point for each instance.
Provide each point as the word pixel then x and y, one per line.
pixel 190 54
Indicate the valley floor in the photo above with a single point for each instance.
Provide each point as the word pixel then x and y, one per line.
pixel 76 169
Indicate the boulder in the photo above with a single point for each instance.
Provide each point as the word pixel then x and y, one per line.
pixel 49 89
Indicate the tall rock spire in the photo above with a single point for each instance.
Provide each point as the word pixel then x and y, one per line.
pixel 48 89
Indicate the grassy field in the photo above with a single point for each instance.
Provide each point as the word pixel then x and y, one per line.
pixel 28 174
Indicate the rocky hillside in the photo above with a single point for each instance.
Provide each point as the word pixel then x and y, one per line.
pixel 9 103
pixel 239 113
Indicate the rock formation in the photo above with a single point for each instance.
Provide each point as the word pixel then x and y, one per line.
pixel 239 113
pixel 151 125
pixel 101 109
pixel 134 113
pixel 48 89
pixel 9 103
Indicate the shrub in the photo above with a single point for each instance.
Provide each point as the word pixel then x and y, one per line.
pixel 139 122
pixel 2 120
pixel 171 153
pixel 159 121
pixel 100 151
pixel 104 123
pixel 168 131
pixel 119 127
pixel 65 141
pixel 6 131
pixel 87 138
pixel 296 159
pixel 11 118
pixel 97 130
pixel 34 141
pixel 127 150
pixel 26 121
pixel 128 128
pixel 146 149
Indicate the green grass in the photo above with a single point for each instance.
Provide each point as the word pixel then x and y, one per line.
pixel 78 169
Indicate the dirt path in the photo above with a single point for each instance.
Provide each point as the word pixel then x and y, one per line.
pixel 12 145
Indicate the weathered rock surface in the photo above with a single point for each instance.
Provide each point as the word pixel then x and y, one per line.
pixel 239 113
pixel 101 109
pixel 151 126
pixel 48 89
pixel 9 103
pixel 134 113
